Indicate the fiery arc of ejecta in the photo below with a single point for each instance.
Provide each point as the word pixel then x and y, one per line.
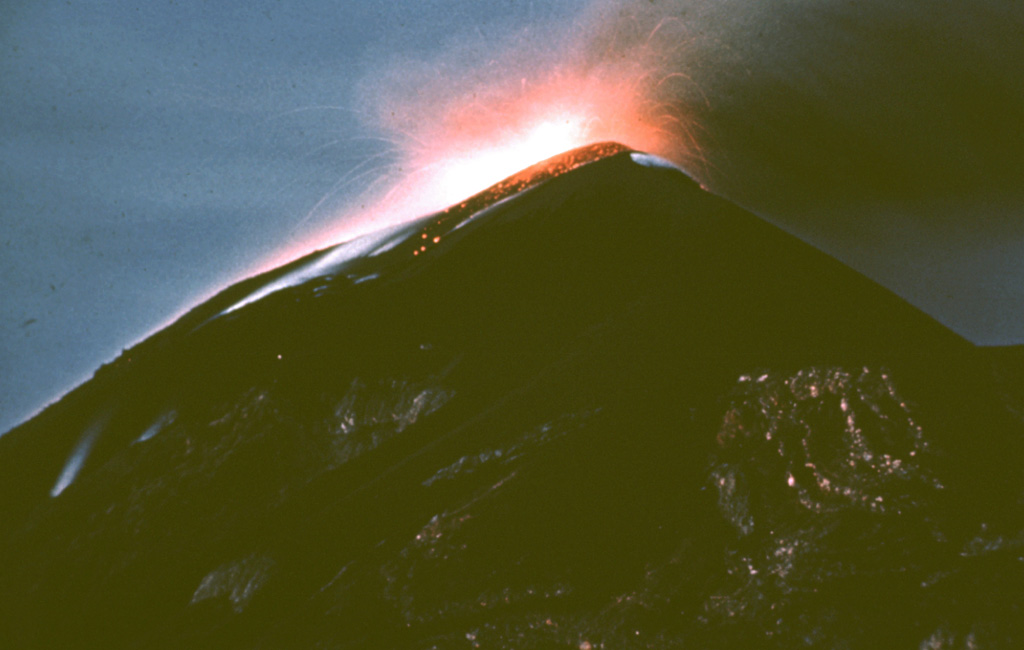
pixel 468 173
pixel 454 151
pixel 478 143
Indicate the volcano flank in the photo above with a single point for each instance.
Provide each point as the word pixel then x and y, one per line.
pixel 592 406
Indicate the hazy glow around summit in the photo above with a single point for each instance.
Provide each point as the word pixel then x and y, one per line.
pixel 454 144
pixel 464 174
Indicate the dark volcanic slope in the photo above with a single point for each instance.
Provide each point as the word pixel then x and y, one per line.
pixel 594 407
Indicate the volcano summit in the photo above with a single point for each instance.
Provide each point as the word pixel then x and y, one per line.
pixel 593 406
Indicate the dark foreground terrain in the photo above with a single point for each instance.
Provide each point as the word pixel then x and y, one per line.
pixel 592 407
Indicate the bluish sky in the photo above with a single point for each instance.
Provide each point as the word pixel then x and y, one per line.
pixel 153 152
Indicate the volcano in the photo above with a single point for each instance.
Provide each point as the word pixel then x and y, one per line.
pixel 594 406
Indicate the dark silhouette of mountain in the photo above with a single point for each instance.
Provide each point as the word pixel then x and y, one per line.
pixel 593 406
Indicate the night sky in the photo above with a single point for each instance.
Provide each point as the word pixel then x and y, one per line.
pixel 151 153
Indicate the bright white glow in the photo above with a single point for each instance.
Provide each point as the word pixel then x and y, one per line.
pixel 463 175
pixel 466 162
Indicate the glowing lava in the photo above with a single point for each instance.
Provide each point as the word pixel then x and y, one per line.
pixel 457 147
pixel 482 140
pixel 452 148
pixel 466 173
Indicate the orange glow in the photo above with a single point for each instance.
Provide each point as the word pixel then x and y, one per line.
pixel 482 141
pixel 452 148
pixel 469 172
